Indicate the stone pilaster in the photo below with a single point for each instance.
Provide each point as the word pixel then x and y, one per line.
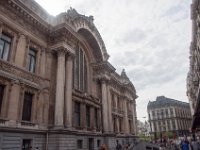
pixel 68 91
pixel 60 81
pixel 46 107
pixel 43 63
pixel 13 105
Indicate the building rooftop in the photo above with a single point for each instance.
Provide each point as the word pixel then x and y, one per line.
pixel 162 101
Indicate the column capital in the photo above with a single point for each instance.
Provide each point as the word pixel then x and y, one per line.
pixel 61 52
pixel 63 47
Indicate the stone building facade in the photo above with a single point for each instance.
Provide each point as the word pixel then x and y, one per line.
pixel 57 89
pixel 193 77
pixel 169 115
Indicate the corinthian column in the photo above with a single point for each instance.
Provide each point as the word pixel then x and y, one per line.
pixel 68 91
pixel 126 125
pixel 134 117
pixel 104 106
pixel 60 81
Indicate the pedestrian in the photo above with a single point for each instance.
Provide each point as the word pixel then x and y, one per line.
pixel 185 145
pixel 194 145
pixel 103 147
pixel 119 146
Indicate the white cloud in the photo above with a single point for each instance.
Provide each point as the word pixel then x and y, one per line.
pixel 149 38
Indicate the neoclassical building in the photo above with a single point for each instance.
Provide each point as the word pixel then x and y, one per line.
pixel 169 115
pixel 193 78
pixel 57 89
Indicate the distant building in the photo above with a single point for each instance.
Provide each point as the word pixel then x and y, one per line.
pixel 57 88
pixel 169 115
pixel 193 78
pixel 143 128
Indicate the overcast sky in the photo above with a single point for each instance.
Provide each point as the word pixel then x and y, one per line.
pixel 149 38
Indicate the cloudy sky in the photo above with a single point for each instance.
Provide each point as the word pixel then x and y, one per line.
pixel 149 38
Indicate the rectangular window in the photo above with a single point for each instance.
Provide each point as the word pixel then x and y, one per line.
pixel 77 114
pixel 158 114
pixel 1 96
pixel 27 107
pixel 79 144
pixel 153 115
pixel 87 116
pixel 120 124
pixel 130 126
pixel 26 144
pixel 162 113
pixel 5 44
pixel 114 124
pixel 173 124
pixel 98 143
pixel 171 111
pixel 31 60
pixel 166 112
pixel 96 118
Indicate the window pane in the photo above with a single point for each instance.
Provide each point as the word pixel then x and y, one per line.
pixel 77 114
pixel 27 107
pixel 6 51
pixel 1 48
pixel 6 38
pixel 88 116
pixel 31 61
pixel 32 64
pixel 81 70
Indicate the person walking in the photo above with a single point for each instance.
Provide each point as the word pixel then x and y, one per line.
pixel 185 145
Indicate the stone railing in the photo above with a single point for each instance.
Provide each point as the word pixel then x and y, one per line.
pixel 2 121
pixel 19 72
pixel 29 124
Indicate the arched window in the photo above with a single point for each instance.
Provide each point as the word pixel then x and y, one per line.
pixel 80 71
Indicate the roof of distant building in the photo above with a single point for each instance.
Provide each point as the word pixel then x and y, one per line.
pixel 162 101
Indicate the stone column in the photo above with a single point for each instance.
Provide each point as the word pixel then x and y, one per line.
pixel 13 105
pixel 110 111
pixel 104 105
pixel 176 123
pixel 68 91
pixel 166 125
pixel 134 116
pixel 126 124
pixel 117 124
pixel 174 112
pixel 152 127
pixel 60 81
